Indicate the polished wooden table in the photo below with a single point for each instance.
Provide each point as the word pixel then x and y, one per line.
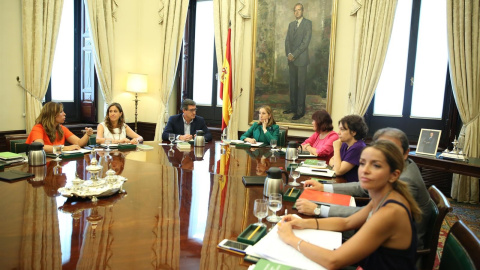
pixel 470 167
pixel 177 206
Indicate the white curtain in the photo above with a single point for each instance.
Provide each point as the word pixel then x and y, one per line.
pixel 40 24
pixel 372 34
pixel 172 23
pixel 463 24
pixel 232 12
pixel 101 16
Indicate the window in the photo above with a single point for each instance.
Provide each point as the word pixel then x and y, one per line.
pixel 200 78
pixel 414 91
pixel 72 79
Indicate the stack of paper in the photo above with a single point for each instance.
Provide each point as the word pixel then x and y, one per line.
pixel 304 170
pixel 9 158
pixel 272 248
pixel 184 146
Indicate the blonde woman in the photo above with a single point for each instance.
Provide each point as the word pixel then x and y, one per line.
pixel 264 130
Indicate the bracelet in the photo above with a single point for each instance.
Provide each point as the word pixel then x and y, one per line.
pixel 298 245
pixel 317 222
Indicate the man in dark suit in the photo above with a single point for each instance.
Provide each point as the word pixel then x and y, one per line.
pixel 296 49
pixel 186 124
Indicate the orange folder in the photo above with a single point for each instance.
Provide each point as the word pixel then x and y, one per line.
pixel 327 198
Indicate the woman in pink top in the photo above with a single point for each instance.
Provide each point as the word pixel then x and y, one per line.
pixel 321 142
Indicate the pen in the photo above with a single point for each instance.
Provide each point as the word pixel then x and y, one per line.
pixel 290 193
pixel 258 227
pixel 313 170
pixel 232 250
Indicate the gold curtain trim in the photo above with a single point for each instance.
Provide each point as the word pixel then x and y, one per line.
pixel 356 7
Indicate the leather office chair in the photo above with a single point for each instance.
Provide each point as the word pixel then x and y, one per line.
pixel 16 142
pixel 439 206
pixel 282 136
pixel 461 249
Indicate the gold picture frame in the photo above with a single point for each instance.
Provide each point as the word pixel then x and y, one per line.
pixel 270 71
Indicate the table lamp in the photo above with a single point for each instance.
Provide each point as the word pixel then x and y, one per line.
pixel 136 83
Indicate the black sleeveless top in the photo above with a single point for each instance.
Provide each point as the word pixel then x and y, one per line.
pixel 389 258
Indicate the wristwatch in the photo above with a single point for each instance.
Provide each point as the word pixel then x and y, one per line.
pixel 316 211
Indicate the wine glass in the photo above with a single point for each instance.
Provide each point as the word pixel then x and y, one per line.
pixel 223 137
pixel 295 174
pixel 260 210
pixel 295 155
pixel 171 138
pixel 57 150
pixel 273 144
pixel 108 141
pixel 274 204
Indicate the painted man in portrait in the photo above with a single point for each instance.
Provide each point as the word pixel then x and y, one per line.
pixel 296 49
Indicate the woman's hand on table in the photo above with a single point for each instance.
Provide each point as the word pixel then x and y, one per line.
pixel 251 140
pixel 71 147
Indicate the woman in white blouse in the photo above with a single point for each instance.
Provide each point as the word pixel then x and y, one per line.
pixel 114 127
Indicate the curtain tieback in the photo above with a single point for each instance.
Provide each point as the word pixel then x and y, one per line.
pixel 19 83
pixel 471 120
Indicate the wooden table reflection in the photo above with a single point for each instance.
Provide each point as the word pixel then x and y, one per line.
pixel 177 206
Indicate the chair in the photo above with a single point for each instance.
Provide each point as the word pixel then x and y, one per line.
pixel 282 136
pixel 16 142
pixel 439 206
pixel 461 249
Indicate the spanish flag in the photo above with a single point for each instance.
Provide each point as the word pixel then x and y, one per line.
pixel 226 84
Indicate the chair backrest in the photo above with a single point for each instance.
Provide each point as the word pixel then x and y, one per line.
pixel 461 249
pixel 282 136
pixel 18 146
pixel 439 206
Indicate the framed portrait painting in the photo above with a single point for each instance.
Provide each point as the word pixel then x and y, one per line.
pixel 428 141
pixel 293 56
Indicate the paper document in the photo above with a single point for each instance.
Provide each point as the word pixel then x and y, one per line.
pixel 272 248
pixel 313 171
pixel 77 151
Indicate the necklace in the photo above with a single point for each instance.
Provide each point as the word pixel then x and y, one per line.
pixel 381 202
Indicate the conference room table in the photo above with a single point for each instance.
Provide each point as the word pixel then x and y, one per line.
pixel 174 209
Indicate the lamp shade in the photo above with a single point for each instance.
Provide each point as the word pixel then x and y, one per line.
pixel 137 83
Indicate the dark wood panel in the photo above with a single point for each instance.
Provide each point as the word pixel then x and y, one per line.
pixel 3 142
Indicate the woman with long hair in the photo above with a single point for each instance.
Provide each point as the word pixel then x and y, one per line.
pixel 264 130
pixel 320 143
pixel 386 238
pixel 114 127
pixel 50 131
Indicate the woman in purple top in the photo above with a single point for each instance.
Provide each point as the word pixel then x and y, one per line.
pixel 320 143
pixel 349 146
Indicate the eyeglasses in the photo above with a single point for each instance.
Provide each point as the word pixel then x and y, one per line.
pixel 192 110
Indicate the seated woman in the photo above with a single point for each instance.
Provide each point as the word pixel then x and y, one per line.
pixel 50 131
pixel 264 130
pixel 114 127
pixel 320 143
pixel 387 235
pixel 347 149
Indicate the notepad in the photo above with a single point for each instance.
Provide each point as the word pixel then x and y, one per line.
pixel 9 156
pixel 14 175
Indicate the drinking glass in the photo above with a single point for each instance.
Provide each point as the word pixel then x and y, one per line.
pixel 295 155
pixel 171 138
pixel 260 210
pixel 108 141
pixel 57 150
pixel 273 144
pixel 274 204
pixel 295 174
pixel 223 137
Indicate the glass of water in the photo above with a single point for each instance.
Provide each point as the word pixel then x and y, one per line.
pixel 274 204
pixel 108 141
pixel 57 150
pixel 260 210
pixel 223 137
pixel 273 144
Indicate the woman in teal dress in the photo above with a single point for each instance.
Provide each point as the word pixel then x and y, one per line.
pixel 264 130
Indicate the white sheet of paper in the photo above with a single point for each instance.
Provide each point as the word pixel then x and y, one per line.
pixel 271 247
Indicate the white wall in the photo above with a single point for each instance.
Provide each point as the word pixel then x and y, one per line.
pixel 137 39
pixel 12 101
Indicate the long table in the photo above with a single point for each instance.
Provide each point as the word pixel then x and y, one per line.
pixel 177 206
